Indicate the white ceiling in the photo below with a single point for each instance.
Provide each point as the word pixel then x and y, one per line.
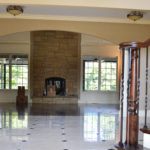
pixel 72 12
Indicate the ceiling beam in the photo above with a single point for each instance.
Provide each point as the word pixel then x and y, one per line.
pixel 74 18
pixel 143 5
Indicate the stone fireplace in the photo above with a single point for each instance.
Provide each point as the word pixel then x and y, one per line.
pixel 55 63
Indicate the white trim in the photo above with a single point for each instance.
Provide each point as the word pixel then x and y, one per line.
pixel 105 4
pixel 74 18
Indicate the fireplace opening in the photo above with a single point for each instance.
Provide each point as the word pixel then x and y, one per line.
pixel 55 86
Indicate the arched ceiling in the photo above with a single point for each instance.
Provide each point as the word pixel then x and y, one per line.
pixel 113 32
pixel 101 18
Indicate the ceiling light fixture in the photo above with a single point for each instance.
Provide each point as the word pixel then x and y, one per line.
pixel 14 10
pixel 135 15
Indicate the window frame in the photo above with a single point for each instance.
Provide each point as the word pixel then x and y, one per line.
pixel 116 73
pixel 11 75
pixel 10 57
pixel 91 58
pixel 99 58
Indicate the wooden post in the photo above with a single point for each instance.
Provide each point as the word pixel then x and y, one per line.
pixel 132 130
pixel 133 105
pixel 133 94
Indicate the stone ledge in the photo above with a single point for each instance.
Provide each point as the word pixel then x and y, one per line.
pixel 55 100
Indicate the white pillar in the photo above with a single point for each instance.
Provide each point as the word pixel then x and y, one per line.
pixel 125 94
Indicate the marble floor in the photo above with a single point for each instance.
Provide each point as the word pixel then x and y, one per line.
pixel 59 127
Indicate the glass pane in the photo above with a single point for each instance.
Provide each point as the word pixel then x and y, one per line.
pixel 91 71
pixel 108 74
pixel 19 77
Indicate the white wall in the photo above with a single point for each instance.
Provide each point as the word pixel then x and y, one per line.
pixel 142 79
pixel 92 46
pixel 15 43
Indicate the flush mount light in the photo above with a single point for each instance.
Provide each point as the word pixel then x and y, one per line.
pixel 135 15
pixel 14 10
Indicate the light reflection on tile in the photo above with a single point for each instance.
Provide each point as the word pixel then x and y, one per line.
pixel 99 127
pixel 13 121
pixel 107 127
pixel 84 127
pixel 91 127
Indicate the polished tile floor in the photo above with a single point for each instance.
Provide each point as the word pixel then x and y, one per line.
pixel 59 127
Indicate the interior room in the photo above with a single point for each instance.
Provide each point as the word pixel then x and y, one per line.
pixel 74 76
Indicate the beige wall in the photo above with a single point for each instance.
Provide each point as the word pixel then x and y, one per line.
pixel 92 46
pixel 15 43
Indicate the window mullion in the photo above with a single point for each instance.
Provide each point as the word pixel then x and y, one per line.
pixel 4 76
pixel 99 75
pixel 10 71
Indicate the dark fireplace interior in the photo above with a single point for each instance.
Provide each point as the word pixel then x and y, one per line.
pixel 59 84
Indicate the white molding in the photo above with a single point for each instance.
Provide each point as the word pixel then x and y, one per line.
pixel 73 18
pixel 105 4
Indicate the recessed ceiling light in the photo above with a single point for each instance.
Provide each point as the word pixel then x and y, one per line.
pixel 135 15
pixel 14 10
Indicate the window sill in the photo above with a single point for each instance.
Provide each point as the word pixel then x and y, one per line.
pixel 100 91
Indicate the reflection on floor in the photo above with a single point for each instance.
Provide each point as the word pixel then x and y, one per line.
pixel 99 127
pixel 58 127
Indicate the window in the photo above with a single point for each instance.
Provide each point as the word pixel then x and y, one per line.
pixel 4 72
pixel 19 69
pixel 91 73
pixel 104 80
pixel 108 74
pixel 13 71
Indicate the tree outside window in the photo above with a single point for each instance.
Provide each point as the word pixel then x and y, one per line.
pixel 105 79
pixel 108 74
pixel 17 67
pixel 91 73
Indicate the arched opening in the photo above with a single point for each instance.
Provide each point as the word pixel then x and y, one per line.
pixel 78 58
pixel 63 54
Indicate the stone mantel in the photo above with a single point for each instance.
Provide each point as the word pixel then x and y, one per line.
pixel 56 99
pixel 66 96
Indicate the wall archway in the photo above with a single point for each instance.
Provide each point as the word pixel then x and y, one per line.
pixel 113 32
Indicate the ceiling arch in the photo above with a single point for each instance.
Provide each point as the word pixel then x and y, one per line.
pixel 113 32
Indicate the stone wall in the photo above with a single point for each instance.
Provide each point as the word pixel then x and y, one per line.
pixel 55 54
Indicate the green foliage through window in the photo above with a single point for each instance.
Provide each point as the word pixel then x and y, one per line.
pixel 107 81
pixel 19 76
pixel 108 75
pixel 13 71
pixel 91 72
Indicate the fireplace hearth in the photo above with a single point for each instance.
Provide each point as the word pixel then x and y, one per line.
pixel 55 86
